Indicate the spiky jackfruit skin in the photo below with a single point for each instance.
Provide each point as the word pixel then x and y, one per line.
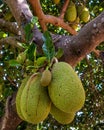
pixel 46 78
pixel 18 98
pixel 66 90
pixel 60 116
pixel 71 12
pixel 35 102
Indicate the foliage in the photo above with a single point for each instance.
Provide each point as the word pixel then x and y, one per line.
pixel 90 70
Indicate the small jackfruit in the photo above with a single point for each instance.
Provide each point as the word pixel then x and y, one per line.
pixel 35 102
pixel 75 24
pixel 60 116
pixel 56 1
pixel 65 90
pixel 85 15
pixel 46 78
pixel 71 12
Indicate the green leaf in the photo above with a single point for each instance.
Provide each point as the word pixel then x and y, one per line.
pixel 28 29
pixel 31 52
pixel 14 63
pixel 28 32
pixel 41 60
pixel 48 46
pixel 59 53
pixel 34 20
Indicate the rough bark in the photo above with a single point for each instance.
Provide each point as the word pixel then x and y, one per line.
pixel 10 120
pixel 75 48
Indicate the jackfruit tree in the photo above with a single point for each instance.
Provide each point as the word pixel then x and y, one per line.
pixel 51 64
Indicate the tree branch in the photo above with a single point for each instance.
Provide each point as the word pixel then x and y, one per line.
pixel 10 120
pixel 13 41
pixel 44 19
pixel 90 36
pixel 21 13
pixel 64 9
pixel 9 27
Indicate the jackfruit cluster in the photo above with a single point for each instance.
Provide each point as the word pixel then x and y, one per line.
pixel 76 14
pixel 57 91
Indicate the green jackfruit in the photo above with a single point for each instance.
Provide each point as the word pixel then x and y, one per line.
pixel 71 12
pixel 80 9
pixel 85 15
pixel 60 116
pixel 66 90
pixel 46 78
pixel 18 98
pixel 35 102
pixel 75 24
pixel 56 1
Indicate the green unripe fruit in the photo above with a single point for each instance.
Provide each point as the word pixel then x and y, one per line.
pixel 80 9
pixel 21 57
pixel 66 90
pixel 35 102
pixel 85 15
pixel 46 78
pixel 75 24
pixel 71 12
pixel 60 116
pixel 18 98
pixel 56 1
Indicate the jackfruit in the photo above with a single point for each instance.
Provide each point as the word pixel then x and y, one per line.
pixel 18 97
pixel 60 116
pixel 46 78
pixel 85 15
pixel 65 90
pixel 35 102
pixel 56 1
pixel 80 9
pixel 71 12
pixel 75 24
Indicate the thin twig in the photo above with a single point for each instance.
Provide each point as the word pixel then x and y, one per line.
pixel 64 9
pixel 44 19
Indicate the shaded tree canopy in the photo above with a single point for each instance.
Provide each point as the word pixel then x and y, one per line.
pixel 22 26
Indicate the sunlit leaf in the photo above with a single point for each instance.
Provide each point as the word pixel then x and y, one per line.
pixel 14 63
